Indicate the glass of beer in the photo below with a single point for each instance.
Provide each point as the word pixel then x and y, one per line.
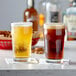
pixel 21 40
pixel 54 41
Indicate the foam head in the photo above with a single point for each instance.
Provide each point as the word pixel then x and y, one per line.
pixel 25 24
pixel 54 26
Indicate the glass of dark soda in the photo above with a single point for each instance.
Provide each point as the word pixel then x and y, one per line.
pixel 54 34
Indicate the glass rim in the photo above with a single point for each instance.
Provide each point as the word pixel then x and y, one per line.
pixel 21 24
pixel 48 25
pixel 54 24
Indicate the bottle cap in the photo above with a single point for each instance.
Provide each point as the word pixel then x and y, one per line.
pixel 30 3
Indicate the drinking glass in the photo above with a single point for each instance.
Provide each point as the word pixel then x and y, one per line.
pixel 54 41
pixel 21 40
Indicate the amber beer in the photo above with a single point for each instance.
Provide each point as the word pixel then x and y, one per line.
pixel 54 40
pixel 21 39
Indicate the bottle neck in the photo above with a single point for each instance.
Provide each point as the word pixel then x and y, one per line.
pixel 30 3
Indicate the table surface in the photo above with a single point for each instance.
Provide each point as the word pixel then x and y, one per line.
pixel 69 54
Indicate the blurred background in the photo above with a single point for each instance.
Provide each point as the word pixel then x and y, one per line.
pixel 12 10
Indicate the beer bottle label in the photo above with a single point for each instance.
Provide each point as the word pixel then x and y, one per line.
pixel 54 16
pixel 71 25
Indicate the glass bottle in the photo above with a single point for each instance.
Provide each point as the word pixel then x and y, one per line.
pixel 70 22
pixel 64 19
pixel 52 12
pixel 31 15
pixel 42 9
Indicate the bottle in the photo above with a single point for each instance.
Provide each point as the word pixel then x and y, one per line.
pixel 64 19
pixel 41 23
pixel 31 15
pixel 52 13
pixel 42 9
pixel 70 22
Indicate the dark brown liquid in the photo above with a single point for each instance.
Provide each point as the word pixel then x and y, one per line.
pixel 54 43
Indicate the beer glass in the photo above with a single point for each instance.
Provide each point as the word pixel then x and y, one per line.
pixel 21 40
pixel 54 41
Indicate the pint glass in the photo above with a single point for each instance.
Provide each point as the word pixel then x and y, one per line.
pixel 54 41
pixel 21 40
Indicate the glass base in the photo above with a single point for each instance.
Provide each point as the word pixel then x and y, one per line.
pixel 21 59
pixel 54 60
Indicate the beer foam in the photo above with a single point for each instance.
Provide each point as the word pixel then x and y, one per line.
pixel 54 26
pixel 26 24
